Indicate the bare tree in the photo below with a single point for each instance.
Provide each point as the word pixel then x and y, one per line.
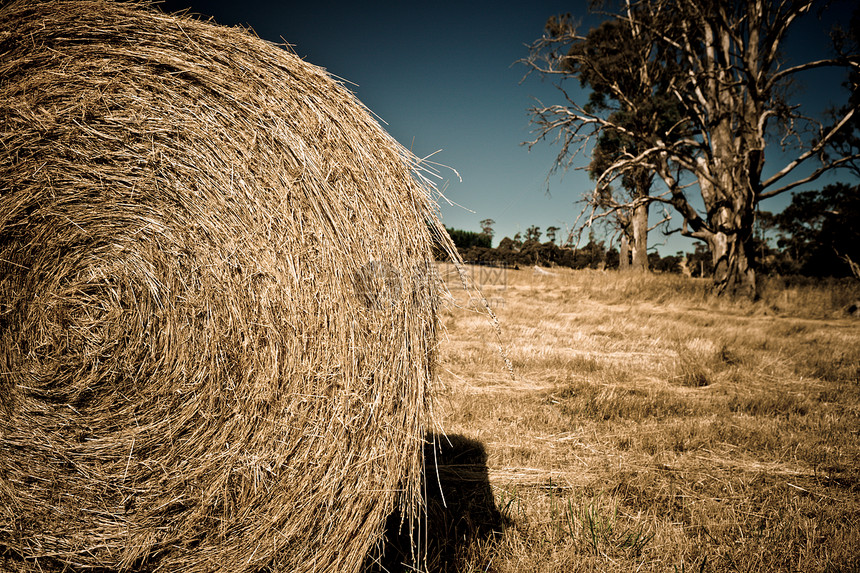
pixel 720 63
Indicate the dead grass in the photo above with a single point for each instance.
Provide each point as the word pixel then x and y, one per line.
pixel 653 427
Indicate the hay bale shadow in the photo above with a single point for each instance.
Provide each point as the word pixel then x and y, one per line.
pixel 460 509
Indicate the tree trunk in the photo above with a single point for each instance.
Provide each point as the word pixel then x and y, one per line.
pixel 624 254
pixel 728 191
pixel 733 271
pixel 640 238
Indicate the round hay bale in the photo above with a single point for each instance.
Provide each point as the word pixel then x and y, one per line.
pixel 217 325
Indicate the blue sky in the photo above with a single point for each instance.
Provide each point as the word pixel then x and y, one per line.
pixel 443 78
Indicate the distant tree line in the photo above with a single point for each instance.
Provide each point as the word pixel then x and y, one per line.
pixel 468 239
pixel 525 252
pixel 816 236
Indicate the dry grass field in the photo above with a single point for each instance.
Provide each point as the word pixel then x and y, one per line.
pixel 648 426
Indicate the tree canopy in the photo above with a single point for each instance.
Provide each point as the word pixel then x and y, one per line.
pixel 819 230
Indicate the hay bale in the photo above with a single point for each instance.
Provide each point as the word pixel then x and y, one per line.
pixel 216 325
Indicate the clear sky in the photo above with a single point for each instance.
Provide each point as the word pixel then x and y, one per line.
pixel 443 77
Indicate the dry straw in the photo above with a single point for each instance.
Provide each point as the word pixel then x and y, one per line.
pixel 217 329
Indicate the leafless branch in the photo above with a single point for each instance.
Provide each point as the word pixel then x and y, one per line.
pixel 814 150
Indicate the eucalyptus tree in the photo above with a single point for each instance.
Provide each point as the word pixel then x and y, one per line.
pixel 487 227
pixel 628 207
pixel 614 58
pixel 718 67
pixel 533 233
pixel 818 231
